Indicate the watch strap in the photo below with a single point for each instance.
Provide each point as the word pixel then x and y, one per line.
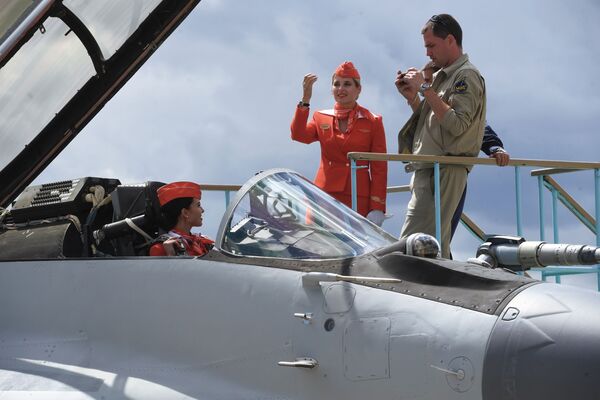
pixel 424 87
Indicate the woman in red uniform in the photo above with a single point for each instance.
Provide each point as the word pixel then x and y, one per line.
pixel 348 127
pixel 181 210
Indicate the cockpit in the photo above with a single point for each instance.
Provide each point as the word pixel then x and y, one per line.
pixel 277 214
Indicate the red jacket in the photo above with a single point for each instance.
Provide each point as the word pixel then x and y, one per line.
pixel 333 176
pixel 195 245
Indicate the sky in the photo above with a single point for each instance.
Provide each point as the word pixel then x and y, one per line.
pixel 214 103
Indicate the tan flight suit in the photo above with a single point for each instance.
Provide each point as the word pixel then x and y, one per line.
pixel 460 133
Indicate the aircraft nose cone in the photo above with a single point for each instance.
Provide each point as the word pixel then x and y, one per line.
pixel 545 345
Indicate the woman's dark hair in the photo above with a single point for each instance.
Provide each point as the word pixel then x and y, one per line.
pixel 170 212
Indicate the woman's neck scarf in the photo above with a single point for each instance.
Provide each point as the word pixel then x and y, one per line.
pixel 342 113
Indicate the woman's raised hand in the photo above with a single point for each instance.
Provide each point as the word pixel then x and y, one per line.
pixel 307 85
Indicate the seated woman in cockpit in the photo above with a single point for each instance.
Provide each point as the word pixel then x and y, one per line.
pixel 180 211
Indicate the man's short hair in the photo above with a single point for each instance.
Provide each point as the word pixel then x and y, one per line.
pixel 443 25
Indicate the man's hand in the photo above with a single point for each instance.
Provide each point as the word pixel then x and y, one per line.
pixel 413 78
pixel 501 156
pixel 404 89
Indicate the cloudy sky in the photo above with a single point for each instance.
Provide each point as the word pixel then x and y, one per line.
pixel 215 102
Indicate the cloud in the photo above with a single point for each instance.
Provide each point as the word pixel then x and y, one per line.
pixel 215 102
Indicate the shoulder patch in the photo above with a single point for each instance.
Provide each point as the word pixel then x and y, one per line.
pixel 460 86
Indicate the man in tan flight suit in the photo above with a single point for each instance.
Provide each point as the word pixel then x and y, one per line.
pixel 449 121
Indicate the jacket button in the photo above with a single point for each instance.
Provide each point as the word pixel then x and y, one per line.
pixel 347 165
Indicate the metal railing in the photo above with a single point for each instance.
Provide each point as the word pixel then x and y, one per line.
pixel 435 161
pixel 559 194
pixel 467 222
pixel 544 180
pixel 227 189
pixel 552 167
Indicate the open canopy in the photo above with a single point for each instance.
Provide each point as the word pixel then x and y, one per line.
pixel 60 62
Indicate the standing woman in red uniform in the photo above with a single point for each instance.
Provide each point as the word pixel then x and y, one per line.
pixel 181 210
pixel 348 127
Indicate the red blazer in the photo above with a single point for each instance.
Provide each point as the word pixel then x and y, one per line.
pixel 333 176
pixel 195 245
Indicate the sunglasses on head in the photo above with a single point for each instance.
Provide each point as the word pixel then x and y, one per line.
pixel 436 19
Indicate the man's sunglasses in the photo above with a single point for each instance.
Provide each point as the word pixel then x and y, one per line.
pixel 436 19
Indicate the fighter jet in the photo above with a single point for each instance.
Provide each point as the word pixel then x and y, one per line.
pixel 301 298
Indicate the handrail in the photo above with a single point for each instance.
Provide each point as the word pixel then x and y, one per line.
pixel 550 171
pixel 468 222
pixel 473 227
pixel 218 188
pixel 515 162
pixel 227 189
pixel 398 189
pixel 555 166
pixel 592 223
pixel 233 188
pixel 464 218
pixel 572 204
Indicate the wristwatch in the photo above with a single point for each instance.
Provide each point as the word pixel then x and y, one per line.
pixel 303 104
pixel 424 87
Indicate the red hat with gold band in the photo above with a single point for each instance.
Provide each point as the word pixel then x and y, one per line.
pixel 177 190
pixel 347 70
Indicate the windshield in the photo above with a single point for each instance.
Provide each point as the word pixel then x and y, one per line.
pixel 280 214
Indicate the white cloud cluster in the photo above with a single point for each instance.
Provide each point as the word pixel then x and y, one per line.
pixel 215 102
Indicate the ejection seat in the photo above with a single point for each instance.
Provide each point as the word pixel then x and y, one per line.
pixel 136 221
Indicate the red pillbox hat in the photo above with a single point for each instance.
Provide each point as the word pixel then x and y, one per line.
pixel 347 70
pixel 177 190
